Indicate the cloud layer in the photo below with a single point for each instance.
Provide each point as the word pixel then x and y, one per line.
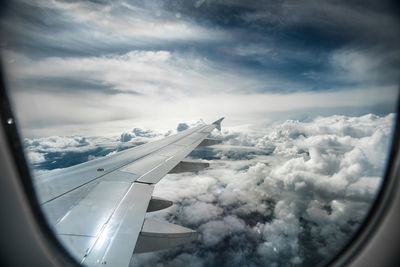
pixel 289 194
pixel 93 65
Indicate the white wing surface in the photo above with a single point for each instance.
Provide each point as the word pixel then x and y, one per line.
pixel 98 208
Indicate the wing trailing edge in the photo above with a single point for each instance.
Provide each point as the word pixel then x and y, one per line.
pixel 210 142
pixel 157 203
pixel 157 235
pixel 189 166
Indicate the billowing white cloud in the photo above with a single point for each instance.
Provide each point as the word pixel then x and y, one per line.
pixel 35 157
pixel 126 137
pixel 297 203
pixel 290 193
pixel 47 153
pixel 57 143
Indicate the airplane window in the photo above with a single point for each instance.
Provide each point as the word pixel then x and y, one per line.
pixel 118 104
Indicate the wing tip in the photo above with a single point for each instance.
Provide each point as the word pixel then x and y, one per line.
pixel 217 123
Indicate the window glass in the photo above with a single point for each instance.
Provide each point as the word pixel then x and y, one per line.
pixel 309 92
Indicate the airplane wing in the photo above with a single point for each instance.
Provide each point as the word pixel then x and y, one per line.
pixel 97 208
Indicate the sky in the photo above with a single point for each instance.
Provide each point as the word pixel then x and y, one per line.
pixel 308 91
pixel 96 67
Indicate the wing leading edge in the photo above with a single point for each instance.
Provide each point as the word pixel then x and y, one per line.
pixel 98 208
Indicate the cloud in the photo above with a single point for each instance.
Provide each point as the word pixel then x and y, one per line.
pixel 287 194
pixel 124 63
pixel 62 28
pixel 47 153
pixel 350 17
pixel 143 133
pixel 137 20
pixel 360 66
pixel 297 204
pixel 126 137
pixel 35 157
pixel 182 127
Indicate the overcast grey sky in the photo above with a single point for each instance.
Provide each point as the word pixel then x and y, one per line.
pixel 97 67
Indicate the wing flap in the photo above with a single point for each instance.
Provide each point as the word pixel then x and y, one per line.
pixel 157 203
pixel 189 166
pixel 157 235
pixel 91 213
pixel 210 142
pixel 115 243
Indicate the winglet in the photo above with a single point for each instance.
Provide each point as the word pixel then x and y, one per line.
pixel 218 123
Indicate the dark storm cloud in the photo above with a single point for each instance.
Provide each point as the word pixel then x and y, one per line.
pixel 176 54
pixel 67 84
pixel 42 31
pixel 331 22
pixel 288 39
pixel 300 35
pixel 81 28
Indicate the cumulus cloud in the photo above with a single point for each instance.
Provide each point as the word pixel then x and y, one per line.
pixel 182 127
pixel 295 204
pixel 143 133
pixel 126 137
pixel 47 153
pixel 287 194
pixel 53 152
pixel 35 157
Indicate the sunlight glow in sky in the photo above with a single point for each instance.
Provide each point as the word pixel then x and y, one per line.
pixel 93 66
